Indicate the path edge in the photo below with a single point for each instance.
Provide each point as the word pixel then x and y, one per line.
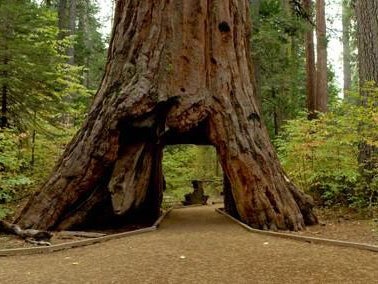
pixel 81 243
pixel 307 239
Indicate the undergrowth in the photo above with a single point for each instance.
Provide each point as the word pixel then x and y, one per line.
pixel 323 156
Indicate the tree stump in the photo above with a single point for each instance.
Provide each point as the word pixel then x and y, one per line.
pixel 197 196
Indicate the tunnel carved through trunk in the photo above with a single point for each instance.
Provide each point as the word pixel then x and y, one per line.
pixel 177 72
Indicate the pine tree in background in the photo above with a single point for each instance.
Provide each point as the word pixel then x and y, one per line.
pixel 78 23
pixel 90 49
pixel 34 73
pixel 35 80
pixel 278 54
pixel 77 19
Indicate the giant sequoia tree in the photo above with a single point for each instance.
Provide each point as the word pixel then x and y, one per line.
pixel 178 72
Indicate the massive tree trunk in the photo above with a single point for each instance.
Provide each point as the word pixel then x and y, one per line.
pixel 178 72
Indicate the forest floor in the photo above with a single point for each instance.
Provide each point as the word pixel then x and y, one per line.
pixel 344 224
pixel 196 245
pixel 339 224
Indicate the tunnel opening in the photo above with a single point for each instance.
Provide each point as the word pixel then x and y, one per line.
pixel 192 175
pixel 181 165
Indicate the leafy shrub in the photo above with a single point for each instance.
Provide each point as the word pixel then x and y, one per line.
pixel 321 156
pixel 18 175
pixel 12 163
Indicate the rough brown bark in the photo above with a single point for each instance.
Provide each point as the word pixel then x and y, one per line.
pixel 229 201
pixel 321 59
pixel 367 39
pixel 177 72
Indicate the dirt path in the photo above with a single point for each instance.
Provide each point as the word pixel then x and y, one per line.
pixel 196 245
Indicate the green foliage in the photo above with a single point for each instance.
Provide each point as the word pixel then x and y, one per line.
pixel 18 175
pixel 12 162
pixel 333 88
pixel 33 65
pixel 277 47
pixel 321 156
pixel 47 150
pixel 90 48
pixel 44 95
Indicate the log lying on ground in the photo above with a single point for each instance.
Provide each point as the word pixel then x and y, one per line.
pixel 30 235
pixel 71 234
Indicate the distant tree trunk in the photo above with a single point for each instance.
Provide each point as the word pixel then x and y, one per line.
pixel 310 64
pixel 321 56
pixel 346 21
pixel 34 134
pixel 276 113
pixel 4 119
pixel 62 18
pixel 177 72
pixel 72 29
pixel 367 38
pixel 83 28
pixel 4 97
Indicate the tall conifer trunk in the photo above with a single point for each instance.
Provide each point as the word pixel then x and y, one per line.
pixel 4 97
pixel 367 39
pixel 346 20
pixel 72 29
pixel 321 59
pixel 62 17
pixel 310 64
pixel 178 72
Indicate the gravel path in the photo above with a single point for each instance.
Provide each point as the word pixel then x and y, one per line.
pixel 195 245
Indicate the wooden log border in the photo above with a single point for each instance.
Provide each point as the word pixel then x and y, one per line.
pixel 81 243
pixel 312 240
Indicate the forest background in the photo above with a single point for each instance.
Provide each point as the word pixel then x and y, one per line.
pixel 52 57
